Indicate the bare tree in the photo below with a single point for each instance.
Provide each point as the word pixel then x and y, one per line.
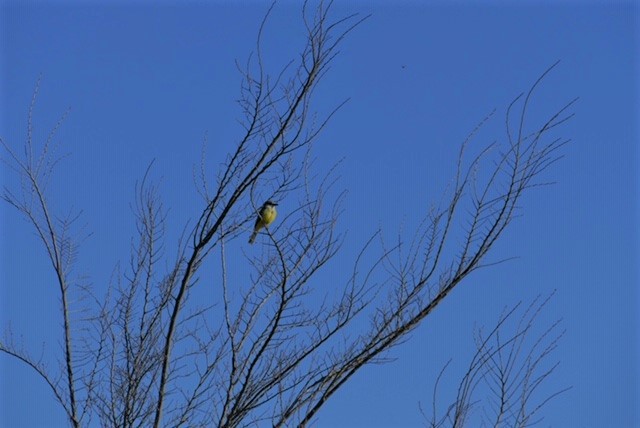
pixel 263 349
pixel 502 384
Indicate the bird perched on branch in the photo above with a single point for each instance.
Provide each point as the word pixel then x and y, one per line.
pixel 266 216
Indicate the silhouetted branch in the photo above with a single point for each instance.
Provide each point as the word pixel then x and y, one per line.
pixel 506 372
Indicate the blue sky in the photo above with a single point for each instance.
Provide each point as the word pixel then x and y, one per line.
pixel 148 82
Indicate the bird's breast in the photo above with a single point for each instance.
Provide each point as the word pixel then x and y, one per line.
pixel 269 216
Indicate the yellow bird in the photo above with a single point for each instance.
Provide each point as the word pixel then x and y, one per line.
pixel 266 216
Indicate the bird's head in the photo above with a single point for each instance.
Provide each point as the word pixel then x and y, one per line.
pixel 270 204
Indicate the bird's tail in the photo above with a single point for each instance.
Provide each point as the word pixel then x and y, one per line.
pixel 252 239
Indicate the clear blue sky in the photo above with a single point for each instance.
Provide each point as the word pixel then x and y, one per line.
pixel 148 82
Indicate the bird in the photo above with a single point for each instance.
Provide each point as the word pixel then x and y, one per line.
pixel 266 216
